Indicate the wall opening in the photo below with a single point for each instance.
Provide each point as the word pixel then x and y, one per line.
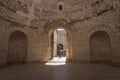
pixel 58 43
pixel 60 7
pixel 58 47
pixel 100 47
pixel 17 50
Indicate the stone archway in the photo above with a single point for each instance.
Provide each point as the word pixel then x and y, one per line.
pixel 68 43
pixel 49 27
pixel 58 42
pixel 100 47
pixel 17 50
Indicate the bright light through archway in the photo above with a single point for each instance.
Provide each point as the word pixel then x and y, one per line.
pixel 60 29
pixel 57 61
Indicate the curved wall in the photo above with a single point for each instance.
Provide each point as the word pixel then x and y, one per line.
pixel 82 17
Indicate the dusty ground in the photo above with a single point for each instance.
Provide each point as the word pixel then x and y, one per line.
pixel 69 71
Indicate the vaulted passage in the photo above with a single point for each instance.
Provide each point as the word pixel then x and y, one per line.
pixel 59 42
pixel 17 51
pixel 58 47
pixel 100 47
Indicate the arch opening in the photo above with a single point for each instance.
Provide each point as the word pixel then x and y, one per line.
pixel 100 47
pixel 59 45
pixel 59 42
pixel 17 48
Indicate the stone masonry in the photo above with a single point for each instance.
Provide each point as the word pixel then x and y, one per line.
pixel 93 28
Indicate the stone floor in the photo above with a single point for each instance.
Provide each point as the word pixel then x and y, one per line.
pixel 64 71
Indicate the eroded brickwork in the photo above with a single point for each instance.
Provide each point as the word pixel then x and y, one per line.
pixel 80 18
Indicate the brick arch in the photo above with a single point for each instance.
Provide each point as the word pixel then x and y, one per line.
pixel 18 30
pixel 17 47
pixel 100 47
pixel 60 23
pixel 101 27
pixel 97 28
pixel 56 23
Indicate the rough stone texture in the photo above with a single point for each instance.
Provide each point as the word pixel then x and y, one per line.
pixel 17 48
pixel 100 48
pixel 80 18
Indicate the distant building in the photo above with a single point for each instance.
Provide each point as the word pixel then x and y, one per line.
pixel 61 38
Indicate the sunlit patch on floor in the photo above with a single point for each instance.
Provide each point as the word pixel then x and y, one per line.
pixel 57 61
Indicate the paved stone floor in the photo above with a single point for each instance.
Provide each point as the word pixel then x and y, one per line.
pixel 68 71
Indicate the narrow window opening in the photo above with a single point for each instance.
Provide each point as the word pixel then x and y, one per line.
pixel 60 7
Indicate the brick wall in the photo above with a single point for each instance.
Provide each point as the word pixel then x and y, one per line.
pixel 80 18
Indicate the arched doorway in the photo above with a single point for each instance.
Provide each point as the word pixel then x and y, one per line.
pixel 49 28
pixel 58 42
pixel 100 47
pixel 17 50
pixel 59 46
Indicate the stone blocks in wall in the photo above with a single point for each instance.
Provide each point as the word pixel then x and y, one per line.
pixel 80 16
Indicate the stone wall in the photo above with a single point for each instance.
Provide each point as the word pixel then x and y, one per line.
pixel 100 47
pixel 17 48
pixel 80 18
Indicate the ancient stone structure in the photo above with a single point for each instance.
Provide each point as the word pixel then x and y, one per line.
pixel 92 27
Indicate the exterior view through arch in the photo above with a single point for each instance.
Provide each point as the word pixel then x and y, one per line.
pixel 59 46
pixel 100 47
pixel 17 50
pixel 67 47
pixel 58 42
